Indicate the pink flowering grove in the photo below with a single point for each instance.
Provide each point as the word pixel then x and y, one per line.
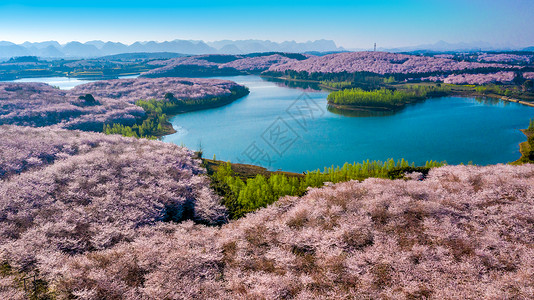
pixel 232 62
pixel 69 192
pixel 39 104
pixel 380 63
pixel 501 77
pixel 506 58
pixel 131 90
pixel 106 217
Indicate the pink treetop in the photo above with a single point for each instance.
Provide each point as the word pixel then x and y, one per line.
pixel 380 63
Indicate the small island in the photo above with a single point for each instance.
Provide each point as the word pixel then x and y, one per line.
pixel 380 99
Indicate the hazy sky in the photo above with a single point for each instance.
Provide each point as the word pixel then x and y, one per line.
pixel 351 24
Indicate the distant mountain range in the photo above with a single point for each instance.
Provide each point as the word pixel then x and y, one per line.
pixel 53 49
pixel 443 46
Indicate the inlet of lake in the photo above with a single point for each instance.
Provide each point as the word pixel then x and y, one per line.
pixel 281 127
pixel 284 125
pixel 63 83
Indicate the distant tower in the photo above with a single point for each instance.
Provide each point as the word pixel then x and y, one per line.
pixel 375 47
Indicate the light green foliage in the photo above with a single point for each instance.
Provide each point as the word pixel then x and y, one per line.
pixel 385 98
pixel 375 98
pixel 389 79
pixel 531 126
pixel 147 129
pixel 337 85
pixel 241 197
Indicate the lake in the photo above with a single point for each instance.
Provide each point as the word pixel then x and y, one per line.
pixel 283 126
pixel 63 83
pixel 287 128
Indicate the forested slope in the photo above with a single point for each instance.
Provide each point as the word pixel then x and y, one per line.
pixel 97 223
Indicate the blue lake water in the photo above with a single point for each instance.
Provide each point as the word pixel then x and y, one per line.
pixel 291 129
pixel 64 83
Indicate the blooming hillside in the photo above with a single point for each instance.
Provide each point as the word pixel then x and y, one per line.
pixel 70 192
pixel 131 90
pixel 506 58
pixel 502 77
pixel 209 65
pixel 380 63
pixel 464 232
pixel 38 104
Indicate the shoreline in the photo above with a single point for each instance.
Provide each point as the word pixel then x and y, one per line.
pixel 169 129
pixel 508 99
pixel 452 94
pixel 525 149
pixel 168 124
pixel 319 84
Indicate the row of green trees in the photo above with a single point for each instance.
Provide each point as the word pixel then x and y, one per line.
pixel 151 128
pixel 530 133
pixel 244 196
pixel 530 128
pixel 377 98
pixel 385 98
pixel 527 148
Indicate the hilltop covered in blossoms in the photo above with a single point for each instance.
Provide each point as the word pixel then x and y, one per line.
pixel 449 68
pixel 39 104
pixel 210 65
pixel 131 90
pixel 69 192
pixel 462 232
pixel 380 63
pixel 500 77
pixel 506 58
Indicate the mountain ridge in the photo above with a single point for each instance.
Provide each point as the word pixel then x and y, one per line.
pixel 96 48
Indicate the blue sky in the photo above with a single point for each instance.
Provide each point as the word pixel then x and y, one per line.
pixel 352 24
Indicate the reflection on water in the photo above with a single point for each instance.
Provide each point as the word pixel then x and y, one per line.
pixel 360 113
pixel 64 83
pixel 309 86
pixel 454 129
pixel 371 113
pixel 491 101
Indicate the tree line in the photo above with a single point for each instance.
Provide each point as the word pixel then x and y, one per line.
pixel 242 196
pixel 383 98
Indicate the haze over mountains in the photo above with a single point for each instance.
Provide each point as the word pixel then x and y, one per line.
pixel 442 46
pixel 53 49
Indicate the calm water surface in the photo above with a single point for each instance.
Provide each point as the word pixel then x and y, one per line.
pixel 64 83
pixel 288 128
